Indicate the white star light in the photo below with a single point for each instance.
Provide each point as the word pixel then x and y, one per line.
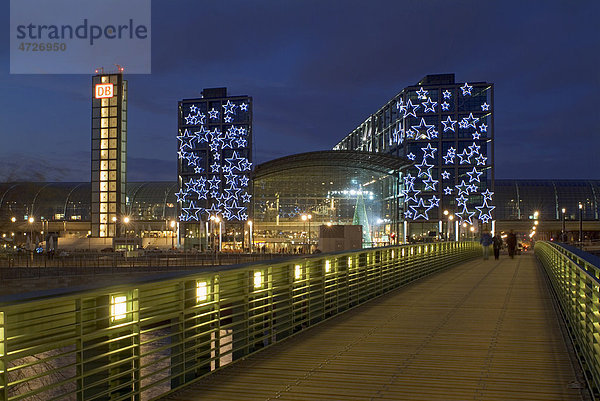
pixel 466 89
pixel 485 211
pixel 424 168
pixel 462 188
pixel 461 201
pixel 213 114
pixel 445 106
pixel 470 121
pixel 448 124
pixel 465 215
pixel 487 194
pixel 422 93
pixel 429 105
pixel 476 135
pixel 447 94
pixel 474 148
pixel 428 151
pixel 423 126
pixel 483 128
pixel 411 156
pixel 420 210
pixel 434 201
pixel 411 109
pixel 244 107
pixel 481 160
pixel 229 107
pixel 474 175
pixel 445 175
pixel 465 157
pixel 485 107
pixel 448 191
pixel 430 183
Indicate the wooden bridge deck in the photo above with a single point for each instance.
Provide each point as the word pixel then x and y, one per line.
pixel 484 330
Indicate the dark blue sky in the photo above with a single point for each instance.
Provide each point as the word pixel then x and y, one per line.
pixel 317 69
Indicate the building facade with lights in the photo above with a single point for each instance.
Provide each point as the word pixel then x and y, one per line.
pixel 214 165
pixel 446 129
pixel 295 195
pixel 109 154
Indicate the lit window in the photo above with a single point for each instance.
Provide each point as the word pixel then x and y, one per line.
pixel 201 291
pixel 118 307
pixel 298 272
pixel 258 279
pixel 327 266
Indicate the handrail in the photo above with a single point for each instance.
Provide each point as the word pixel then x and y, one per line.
pixel 575 277
pixel 146 338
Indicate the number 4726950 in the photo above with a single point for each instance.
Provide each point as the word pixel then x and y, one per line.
pixel 42 47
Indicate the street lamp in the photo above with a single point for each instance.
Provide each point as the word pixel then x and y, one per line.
pixel 250 230
pixel 450 219
pixel 464 225
pixel 218 220
pixel 580 224
pixel 172 224
pixel 126 222
pixel 563 224
pixel 472 229
pixel 31 220
pixel 308 217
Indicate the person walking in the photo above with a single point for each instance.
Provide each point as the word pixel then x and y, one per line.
pixel 511 243
pixel 497 245
pixel 486 241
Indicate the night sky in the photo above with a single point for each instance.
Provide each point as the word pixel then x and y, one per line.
pixel 316 70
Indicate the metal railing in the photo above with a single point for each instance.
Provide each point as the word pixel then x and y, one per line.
pixel 575 277
pixel 146 338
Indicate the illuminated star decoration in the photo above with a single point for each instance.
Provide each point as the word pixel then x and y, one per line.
pixel 448 191
pixel 218 180
pixel 485 211
pixel 422 93
pixel 447 94
pixel 423 126
pixel 411 109
pixel 428 151
pixel 445 175
pixel 485 107
pixel 420 210
pixel 411 156
pixel 466 89
pixel 448 124
pixel 483 128
pixel 445 106
pixel 487 195
pixel 465 215
pixel 429 105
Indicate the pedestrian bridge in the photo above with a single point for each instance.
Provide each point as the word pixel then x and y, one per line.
pixel 428 321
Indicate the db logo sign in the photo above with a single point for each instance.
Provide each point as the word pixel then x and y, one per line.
pixel 103 91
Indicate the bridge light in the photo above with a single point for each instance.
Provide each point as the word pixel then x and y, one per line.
pixel 118 307
pixel 327 266
pixel 258 280
pixel 201 291
pixel 349 261
pixel 297 272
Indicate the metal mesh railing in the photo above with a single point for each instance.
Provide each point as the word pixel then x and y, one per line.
pixel 146 338
pixel 575 278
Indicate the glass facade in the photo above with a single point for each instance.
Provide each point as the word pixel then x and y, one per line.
pixel 446 129
pixel 295 195
pixel 214 162
pixel 109 153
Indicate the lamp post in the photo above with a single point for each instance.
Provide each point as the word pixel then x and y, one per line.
pixel 563 224
pixel 172 224
pixel 31 221
pixel 126 222
pixel 472 229
pixel 218 220
pixel 308 217
pixel 250 229
pixel 580 224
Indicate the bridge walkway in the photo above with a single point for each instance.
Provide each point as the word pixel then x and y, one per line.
pixel 483 330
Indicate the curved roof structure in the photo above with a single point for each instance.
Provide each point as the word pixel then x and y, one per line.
pixel 375 162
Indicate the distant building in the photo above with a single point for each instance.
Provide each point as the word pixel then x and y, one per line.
pixel 214 164
pixel 447 129
pixel 109 154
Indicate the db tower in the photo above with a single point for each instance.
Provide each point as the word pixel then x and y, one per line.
pixel 109 154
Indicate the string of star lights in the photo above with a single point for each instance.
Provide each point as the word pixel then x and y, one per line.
pixel 214 169
pixel 450 170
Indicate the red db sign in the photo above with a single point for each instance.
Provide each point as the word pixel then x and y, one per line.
pixel 103 91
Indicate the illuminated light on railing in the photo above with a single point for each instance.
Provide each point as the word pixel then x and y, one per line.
pixel 201 291
pixel 327 266
pixel 393 254
pixel 297 272
pixel 258 279
pixel 402 251
pixel 349 261
pixel 118 307
pixel 426 249
pixel 412 251
pixel 419 248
